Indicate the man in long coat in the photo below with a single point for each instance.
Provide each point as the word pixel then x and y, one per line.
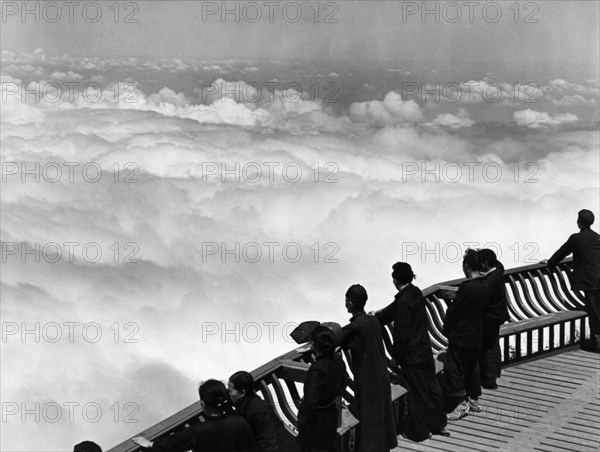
pixel 362 336
pixel 412 351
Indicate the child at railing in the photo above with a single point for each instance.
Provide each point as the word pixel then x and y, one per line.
pixel 318 414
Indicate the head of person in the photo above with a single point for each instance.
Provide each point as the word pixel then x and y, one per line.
pixel 402 274
pixel 585 219
pixel 488 259
pixel 321 341
pixel 87 446
pixel 471 263
pixel 241 384
pixel 356 299
pixel 213 396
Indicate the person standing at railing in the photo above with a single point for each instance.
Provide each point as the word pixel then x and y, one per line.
pixel 490 360
pixel 362 336
pixel 585 246
pixel 412 351
pixel 326 379
pixel 463 325
pixel 267 427
pixel 219 431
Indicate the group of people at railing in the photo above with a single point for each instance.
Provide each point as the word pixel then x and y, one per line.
pixel 235 418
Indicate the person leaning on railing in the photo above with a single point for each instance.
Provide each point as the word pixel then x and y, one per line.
pixel 490 360
pixel 362 336
pixel 326 379
pixel 585 246
pixel 411 350
pixel 463 326
pixel 267 427
pixel 219 431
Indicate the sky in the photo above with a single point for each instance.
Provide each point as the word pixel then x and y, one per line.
pixel 179 192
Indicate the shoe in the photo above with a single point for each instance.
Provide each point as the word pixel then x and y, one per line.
pixel 405 436
pixel 489 384
pixel 442 432
pixel 474 405
pixel 459 412
pixel 589 345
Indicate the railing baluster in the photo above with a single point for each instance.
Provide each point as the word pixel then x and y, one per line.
pixel 506 351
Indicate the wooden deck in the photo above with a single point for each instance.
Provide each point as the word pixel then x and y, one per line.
pixel 547 404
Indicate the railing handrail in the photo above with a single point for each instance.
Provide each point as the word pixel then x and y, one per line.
pixel 191 412
pixel 511 271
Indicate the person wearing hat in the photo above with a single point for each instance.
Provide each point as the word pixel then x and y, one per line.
pixel 412 351
pixel 585 246
pixel 362 337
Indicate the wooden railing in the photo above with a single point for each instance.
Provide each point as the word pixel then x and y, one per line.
pixel 545 315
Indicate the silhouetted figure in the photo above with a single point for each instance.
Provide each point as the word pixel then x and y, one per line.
pixel 219 431
pixel 490 359
pixel 412 351
pixel 585 246
pixel 87 446
pixel 318 415
pixel 268 429
pixel 362 336
pixel 463 325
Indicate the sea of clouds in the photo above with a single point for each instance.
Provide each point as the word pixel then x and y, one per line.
pixel 352 189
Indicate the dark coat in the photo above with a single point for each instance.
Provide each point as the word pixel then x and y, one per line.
pixel 410 332
pixel 362 336
pixel 497 310
pixel 585 246
pixel 463 323
pixel 224 432
pixel 267 427
pixel 318 414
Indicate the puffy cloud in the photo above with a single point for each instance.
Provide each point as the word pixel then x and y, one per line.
pixel 535 119
pixel 453 122
pixel 392 110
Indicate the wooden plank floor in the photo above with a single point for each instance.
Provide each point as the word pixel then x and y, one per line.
pixel 548 404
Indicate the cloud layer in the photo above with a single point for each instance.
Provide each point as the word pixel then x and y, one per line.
pixel 196 191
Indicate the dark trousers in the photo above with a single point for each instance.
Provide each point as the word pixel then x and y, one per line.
pixel 592 306
pixel 424 402
pixel 461 375
pixel 490 359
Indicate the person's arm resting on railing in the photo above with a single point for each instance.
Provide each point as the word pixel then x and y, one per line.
pixel 455 311
pixel 386 315
pixel 178 442
pixel 562 252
